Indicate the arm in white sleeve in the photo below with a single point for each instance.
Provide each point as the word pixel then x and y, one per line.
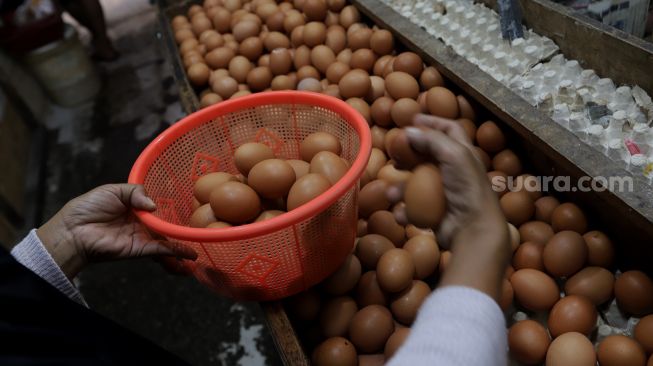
pixel 32 254
pixel 456 326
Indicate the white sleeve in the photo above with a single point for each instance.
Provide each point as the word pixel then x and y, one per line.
pixel 456 326
pixel 32 254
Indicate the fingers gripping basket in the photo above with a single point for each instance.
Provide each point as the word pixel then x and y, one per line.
pixel 277 257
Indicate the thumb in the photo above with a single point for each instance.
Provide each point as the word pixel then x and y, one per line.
pixel 133 195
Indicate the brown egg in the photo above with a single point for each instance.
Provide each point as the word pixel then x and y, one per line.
pixel 601 249
pixel 210 99
pixel 384 223
pixel 322 57
pixel 361 228
pixel 300 167
pixel 395 341
pixel 205 184
pixel 305 189
pixel 430 77
pixel 274 22
pixel 308 72
pixel 333 91
pixel 518 207
pixel 572 313
pixel 466 109
pixel 507 161
pixel 328 165
pixel 499 182
pixel 245 29
pixel 200 24
pixel 362 107
pixel 382 42
pixel 198 74
pixel 405 304
pixel 490 138
pixel 344 56
pixel 183 34
pixel 370 328
pixel 571 349
pixel 252 48
pixel 527 183
pixel 316 142
pixel 426 255
pixel 403 111
pixel 335 351
pixel 529 255
pixel 202 217
pixel 336 315
pixel 282 82
pixel 259 78
pixel 401 85
pixel 568 216
pixel 378 137
pixel 371 360
pixel 269 214
pixel 292 21
pixel 315 9
pixel 271 178
pixel 240 93
pixel 305 305
pixel 424 197
pixel 381 63
pixel 634 293
pixel 221 20
pixel 395 270
pixel 345 278
pixel 280 61
pixel 620 350
pixel 250 154
pixel 239 67
pixel 314 34
pixel 409 63
pixel 370 248
pixel 376 161
pixel 349 15
pixel 220 57
pixel 536 231
pixel 528 342
pixel 595 283
pixel 276 40
pixel 377 90
pixel 372 197
pixel 235 203
pixel 368 291
pixel 564 254
pixel 534 290
pixel 297 36
pixel 187 45
pixel 380 111
pixel 643 333
pixel 544 208
pixel 355 83
pixel 362 59
pixel 225 87
pixel 442 102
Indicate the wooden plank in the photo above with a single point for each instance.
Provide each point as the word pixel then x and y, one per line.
pixel 553 149
pixel 612 53
pixel 284 335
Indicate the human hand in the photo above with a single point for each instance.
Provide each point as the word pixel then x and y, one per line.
pixel 100 225
pixel 473 226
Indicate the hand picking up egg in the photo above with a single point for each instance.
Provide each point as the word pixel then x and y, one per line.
pixel 268 186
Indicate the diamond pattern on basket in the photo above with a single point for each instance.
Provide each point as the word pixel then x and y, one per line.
pixel 269 138
pixel 202 165
pixel 257 267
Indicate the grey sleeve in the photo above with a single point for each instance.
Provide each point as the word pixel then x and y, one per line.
pixel 456 326
pixel 31 253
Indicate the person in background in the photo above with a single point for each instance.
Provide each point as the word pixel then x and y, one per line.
pixel 89 14
pixel 459 324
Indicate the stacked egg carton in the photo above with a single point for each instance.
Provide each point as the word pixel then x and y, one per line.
pixel 614 120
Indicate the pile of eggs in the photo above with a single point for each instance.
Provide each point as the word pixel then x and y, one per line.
pixel 267 186
pixel 562 274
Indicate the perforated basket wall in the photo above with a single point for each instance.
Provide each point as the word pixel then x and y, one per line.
pixel 271 265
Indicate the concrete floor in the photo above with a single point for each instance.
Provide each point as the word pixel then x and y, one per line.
pixel 97 143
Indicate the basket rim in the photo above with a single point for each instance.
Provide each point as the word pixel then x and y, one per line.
pixel 247 231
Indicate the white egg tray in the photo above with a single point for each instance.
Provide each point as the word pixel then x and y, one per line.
pixel 616 121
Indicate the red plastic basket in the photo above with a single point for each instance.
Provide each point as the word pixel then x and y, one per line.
pixel 277 257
